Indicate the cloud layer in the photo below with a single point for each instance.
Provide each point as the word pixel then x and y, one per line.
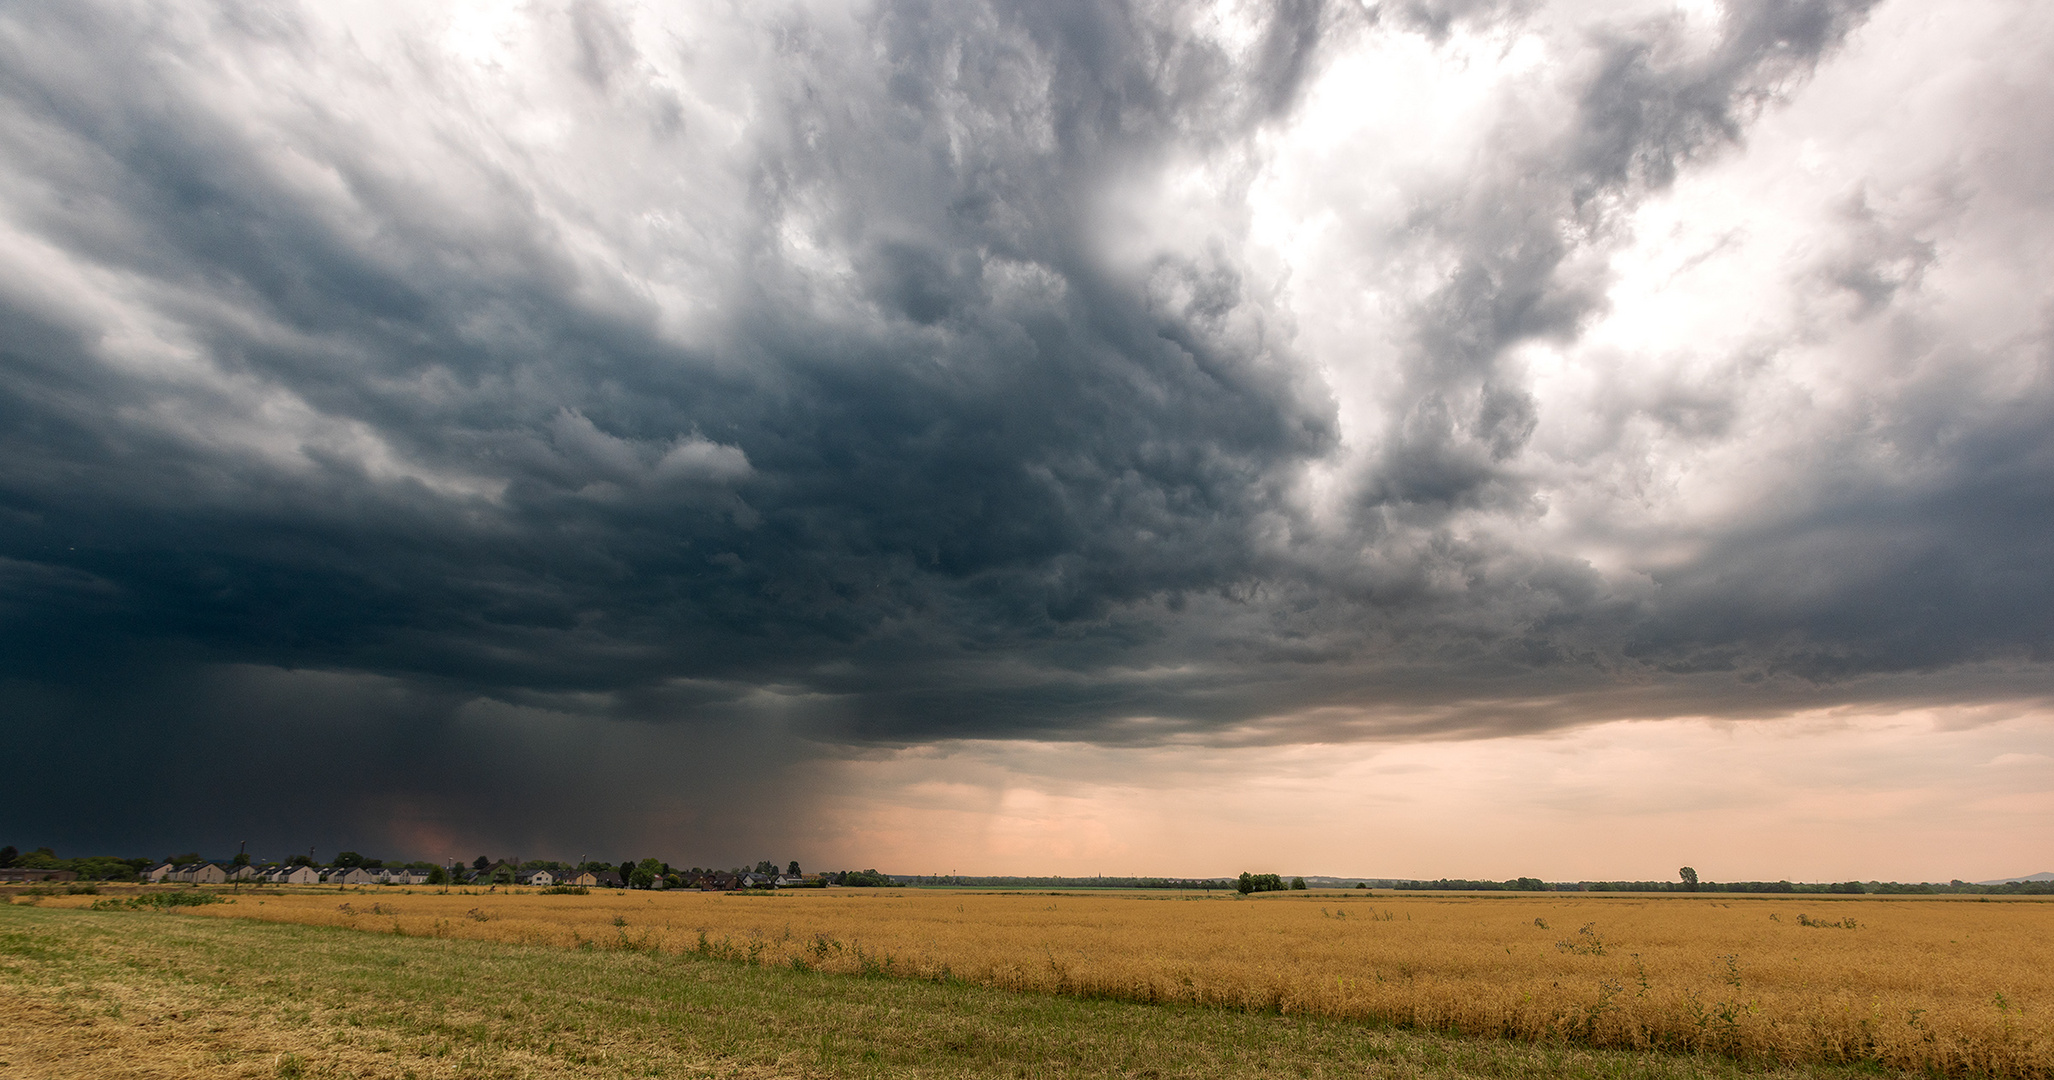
pixel 708 390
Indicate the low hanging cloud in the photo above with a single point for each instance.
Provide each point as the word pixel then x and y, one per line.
pixel 773 386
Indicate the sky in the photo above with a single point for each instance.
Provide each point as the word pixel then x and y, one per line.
pixel 1467 438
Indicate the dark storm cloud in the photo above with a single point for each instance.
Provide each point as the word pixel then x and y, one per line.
pixel 327 443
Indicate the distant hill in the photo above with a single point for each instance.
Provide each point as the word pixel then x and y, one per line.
pixel 2043 875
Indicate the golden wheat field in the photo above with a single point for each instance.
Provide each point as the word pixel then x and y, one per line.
pixel 1952 986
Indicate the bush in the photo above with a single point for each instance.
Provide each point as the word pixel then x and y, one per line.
pixel 160 900
pixel 866 879
pixel 1255 883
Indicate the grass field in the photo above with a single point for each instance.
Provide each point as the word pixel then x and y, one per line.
pixel 136 994
pixel 1953 987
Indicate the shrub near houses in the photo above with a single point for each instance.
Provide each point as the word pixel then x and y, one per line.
pixel 43 864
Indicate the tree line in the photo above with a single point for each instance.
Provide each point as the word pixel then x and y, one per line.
pixel 649 873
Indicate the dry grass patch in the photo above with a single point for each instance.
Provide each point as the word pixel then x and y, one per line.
pixel 1950 986
pixel 1946 986
pixel 137 993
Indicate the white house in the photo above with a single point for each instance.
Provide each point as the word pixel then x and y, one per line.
pixel 539 877
pixel 161 873
pixel 197 874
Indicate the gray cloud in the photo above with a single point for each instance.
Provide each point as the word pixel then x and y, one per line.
pixel 706 399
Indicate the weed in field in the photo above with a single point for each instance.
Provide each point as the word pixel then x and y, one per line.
pixel 1589 945
pixel 160 900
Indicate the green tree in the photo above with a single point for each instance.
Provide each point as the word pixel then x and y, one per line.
pixel 438 876
pixel 242 858
pixel 480 863
pixel 866 879
pixel 8 854
pixel 182 859
pixel 347 859
pixel 642 875
pixel 1245 884
pixel 792 870
pixel 1689 877
pixel 102 868
pixel 1298 884
pixel 44 859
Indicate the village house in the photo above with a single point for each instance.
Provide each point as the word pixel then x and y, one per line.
pixel 491 874
pixel 348 875
pixel 538 877
pixel 192 874
pixel 294 875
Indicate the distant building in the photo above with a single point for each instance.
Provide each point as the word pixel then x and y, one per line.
pixel 491 874
pixel 199 874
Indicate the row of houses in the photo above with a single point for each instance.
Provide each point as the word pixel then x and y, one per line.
pixel 715 881
pixel 206 873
